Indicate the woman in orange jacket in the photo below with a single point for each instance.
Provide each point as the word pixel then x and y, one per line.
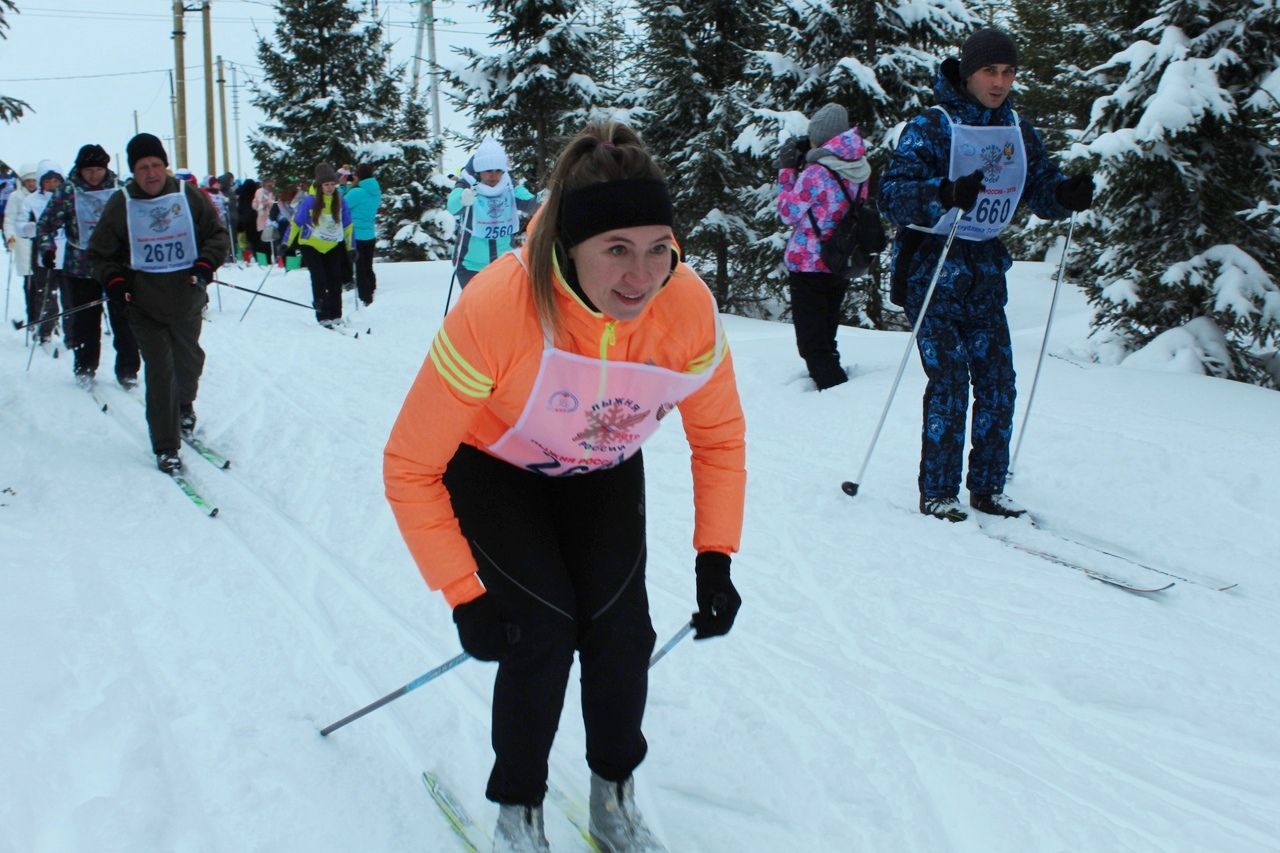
pixel 515 474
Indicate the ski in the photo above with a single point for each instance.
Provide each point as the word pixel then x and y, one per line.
pixel 97 399
pixel 1058 560
pixel 575 814
pixel 194 496
pixel 473 839
pixel 214 458
pixel 1112 551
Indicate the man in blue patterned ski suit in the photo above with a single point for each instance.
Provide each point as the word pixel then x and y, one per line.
pixel 974 153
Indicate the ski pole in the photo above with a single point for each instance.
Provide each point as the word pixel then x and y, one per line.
pixel 1044 344
pixel 457 257
pixel 37 322
pixel 261 284
pixel 670 644
pixel 396 694
pixel 267 295
pixel 850 487
pixel 8 280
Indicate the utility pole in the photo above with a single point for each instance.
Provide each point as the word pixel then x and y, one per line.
pixel 222 109
pixel 173 116
pixel 435 83
pixel 235 112
pixel 417 50
pixel 180 109
pixel 211 152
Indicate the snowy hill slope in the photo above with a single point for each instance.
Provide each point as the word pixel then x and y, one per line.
pixel 893 683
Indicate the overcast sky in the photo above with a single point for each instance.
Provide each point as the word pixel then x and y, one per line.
pixel 86 66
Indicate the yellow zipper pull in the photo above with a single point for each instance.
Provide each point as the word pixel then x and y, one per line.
pixel 608 339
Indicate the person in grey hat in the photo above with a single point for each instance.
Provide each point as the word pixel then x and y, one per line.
pixel 967 163
pixel 816 192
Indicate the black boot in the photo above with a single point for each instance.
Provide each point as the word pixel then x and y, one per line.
pixel 996 504
pixel 946 508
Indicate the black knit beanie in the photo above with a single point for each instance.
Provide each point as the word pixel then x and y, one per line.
pixel 987 47
pixel 93 155
pixel 144 145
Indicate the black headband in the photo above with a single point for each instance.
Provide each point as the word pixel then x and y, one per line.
pixel 602 207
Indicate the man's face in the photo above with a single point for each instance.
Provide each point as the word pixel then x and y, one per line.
pixel 93 175
pixel 990 84
pixel 150 174
pixel 50 183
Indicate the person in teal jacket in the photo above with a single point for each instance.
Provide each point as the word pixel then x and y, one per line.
pixel 322 227
pixel 363 200
pixel 492 205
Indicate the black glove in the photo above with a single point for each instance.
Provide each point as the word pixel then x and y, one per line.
pixel 482 631
pixel 962 193
pixel 718 601
pixel 871 236
pixel 787 154
pixel 117 288
pixel 201 273
pixel 1076 193
pixel 48 258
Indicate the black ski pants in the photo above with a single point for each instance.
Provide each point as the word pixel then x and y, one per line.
pixel 326 269
pixel 366 281
pixel 815 312
pixel 42 300
pixel 173 360
pixel 83 329
pixel 565 558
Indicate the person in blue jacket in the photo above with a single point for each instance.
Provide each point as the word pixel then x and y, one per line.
pixel 973 152
pixel 492 205
pixel 363 200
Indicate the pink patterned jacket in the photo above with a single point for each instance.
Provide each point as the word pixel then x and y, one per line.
pixel 815 190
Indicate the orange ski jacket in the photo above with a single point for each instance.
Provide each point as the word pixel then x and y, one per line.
pixel 478 375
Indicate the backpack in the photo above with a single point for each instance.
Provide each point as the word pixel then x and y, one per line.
pixel 848 249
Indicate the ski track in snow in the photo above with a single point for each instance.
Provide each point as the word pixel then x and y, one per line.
pixel 892 684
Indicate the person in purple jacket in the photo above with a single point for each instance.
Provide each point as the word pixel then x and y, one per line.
pixel 814 196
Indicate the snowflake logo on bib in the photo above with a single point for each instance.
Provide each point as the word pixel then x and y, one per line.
pixel 609 424
pixel 991 167
pixel 160 219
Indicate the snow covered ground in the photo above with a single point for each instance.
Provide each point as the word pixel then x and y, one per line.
pixel 893 683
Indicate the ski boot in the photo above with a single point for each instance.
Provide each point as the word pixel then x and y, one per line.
pixel 187 419
pixel 996 504
pixel 84 378
pixel 169 463
pixel 616 824
pixel 946 508
pixel 520 830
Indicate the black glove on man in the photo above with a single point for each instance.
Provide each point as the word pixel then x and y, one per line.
pixel 117 289
pixel 201 273
pixel 718 601
pixel 961 193
pixel 48 258
pixel 482 631
pixel 1076 193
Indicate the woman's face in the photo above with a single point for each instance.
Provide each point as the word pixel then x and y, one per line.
pixel 621 270
pixel 491 177
pixel 328 187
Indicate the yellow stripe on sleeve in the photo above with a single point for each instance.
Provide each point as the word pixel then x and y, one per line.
pixel 455 370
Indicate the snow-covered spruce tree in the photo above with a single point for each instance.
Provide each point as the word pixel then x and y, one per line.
pixel 1182 243
pixel 412 223
pixel 693 60
pixel 10 108
pixel 325 88
pixel 877 59
pixel 536 89
pixel 1058 42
